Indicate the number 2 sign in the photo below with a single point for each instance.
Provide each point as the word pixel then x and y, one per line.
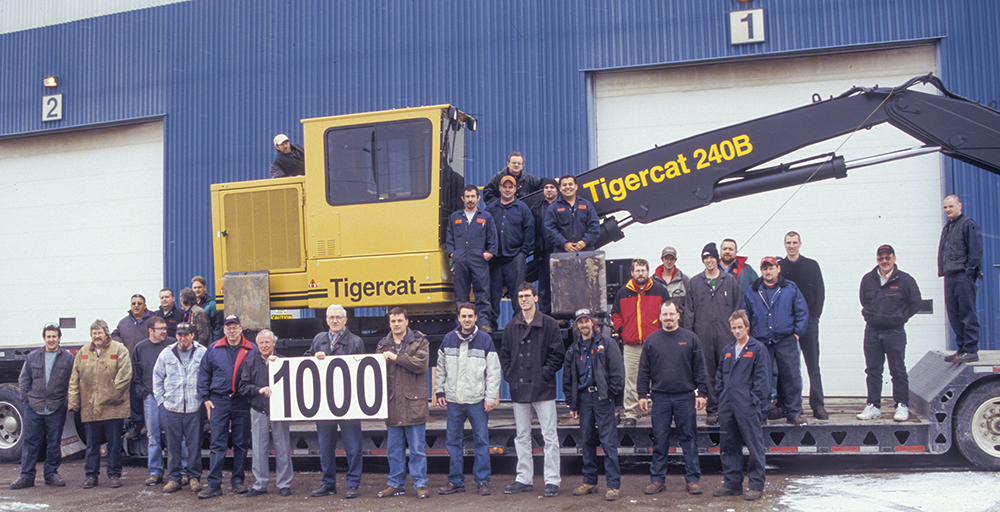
pixel 333 388
pixel 52 107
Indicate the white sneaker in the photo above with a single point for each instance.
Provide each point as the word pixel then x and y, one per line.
pixel 902 413
pixel 871 412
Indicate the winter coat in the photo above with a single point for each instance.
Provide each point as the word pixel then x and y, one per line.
pixel 745 274
pixel 38 393
pixel 289 164
pixel 707 309
pixel 175 385
pixel 346 343
pixel 200 324
pixel 130 330
pixel 530 356
pixel 636 311
pixel 468 372
pixel 253 376
pixel 99 384
pixel 609 370
pixel 515 225
pixel 176 316
pixel 889 305
pixel 406 379
pixel 526 184
pixel 676 288
pixel 961 250
pixel 785 315
pixel 217 374
pixel 743 381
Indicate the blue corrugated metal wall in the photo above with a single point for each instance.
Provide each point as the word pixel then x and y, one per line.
pixel 228 75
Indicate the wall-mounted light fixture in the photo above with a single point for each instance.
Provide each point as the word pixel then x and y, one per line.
pixel 50 81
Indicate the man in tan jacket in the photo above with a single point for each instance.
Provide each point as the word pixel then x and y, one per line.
pixel 99 390
pixel 406 355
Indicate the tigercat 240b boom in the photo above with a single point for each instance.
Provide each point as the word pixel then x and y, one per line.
pixel 365 226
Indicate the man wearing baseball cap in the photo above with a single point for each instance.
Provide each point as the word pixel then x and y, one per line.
pixel 217 378
pixel 289 160
pixel 670 276
pixel 515 226
pixel 889 297
pixel 778 317
pixel 593 375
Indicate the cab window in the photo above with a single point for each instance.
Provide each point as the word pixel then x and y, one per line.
pixel 378 162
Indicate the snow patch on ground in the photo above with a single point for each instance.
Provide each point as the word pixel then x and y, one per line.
pixel 927 492
pixel 16 506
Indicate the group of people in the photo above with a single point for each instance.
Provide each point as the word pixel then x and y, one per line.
pixel 725 340
pixel 489 248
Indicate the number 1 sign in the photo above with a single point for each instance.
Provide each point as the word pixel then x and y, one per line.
pixel 333 388
pixel 746 26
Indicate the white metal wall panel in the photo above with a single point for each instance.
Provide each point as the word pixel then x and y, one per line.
pixel 81 219
pixel 16 15
pixel 842 222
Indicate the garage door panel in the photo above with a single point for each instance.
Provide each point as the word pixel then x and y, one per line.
pixel 82 217
pixel 841 221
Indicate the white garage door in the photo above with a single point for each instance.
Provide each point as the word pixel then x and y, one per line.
pixel 81 220
pixel 842 222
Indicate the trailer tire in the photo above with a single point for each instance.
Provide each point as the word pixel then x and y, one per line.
pixel 977 425
pixel 11 423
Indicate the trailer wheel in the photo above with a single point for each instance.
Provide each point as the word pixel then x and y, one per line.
pixel 977 426
pixel 11 421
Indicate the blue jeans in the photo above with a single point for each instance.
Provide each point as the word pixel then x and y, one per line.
pixel 39 427
pixel 598 413
pixel 809 343
pixel 111 430
pixel 678 407
pixel 183 443
pixel 507 272
pixel 350 433
pixel 154 452
pixel 785 355
pixel 227 410
pixel 398 438
pixel 881 345
pixel 960 302
pixel 478 418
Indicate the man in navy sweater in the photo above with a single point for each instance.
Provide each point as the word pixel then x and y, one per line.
pixel 671 369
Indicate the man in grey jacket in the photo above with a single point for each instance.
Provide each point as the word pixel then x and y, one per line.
pixel 467 383
pixel 43 383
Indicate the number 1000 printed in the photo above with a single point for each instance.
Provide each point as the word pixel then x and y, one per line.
pixel 333 388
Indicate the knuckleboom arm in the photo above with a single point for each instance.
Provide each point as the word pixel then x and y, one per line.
pixel 716 165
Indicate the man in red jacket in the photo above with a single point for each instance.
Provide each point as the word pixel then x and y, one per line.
pixel 636 314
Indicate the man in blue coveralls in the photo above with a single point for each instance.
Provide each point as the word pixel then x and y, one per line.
pixel 743 388
pixel 471 241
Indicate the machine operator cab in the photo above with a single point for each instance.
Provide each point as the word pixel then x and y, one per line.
pixel 364 227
